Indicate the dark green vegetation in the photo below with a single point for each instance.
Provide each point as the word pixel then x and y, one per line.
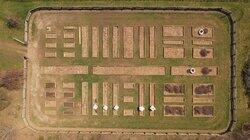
pixel 12 59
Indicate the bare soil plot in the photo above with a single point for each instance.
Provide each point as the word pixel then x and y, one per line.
pixel 203 100
pixel 69 27
pixel 50 95
pixel 174 99
pixel 152 97
pixel 202 42
pixel 143 70
pixel 51 36
pixel 173 30
pixel 173 42
pixel 51 45
pixel 64 70
pixel 85 41
pixel 50 112
pixel 174 89
pixel 174 52
pixel 199 71
pixel 68 112
pixel 208 32
pixel 105 45
pixel 95 41
pixel 69 35
pixel 203 53
pixel 115 97
pixel 128 112
pixel 68 104
pixel 50 103
pixel 142 42
pixel 79 35
pixel 94 97
pixel 69 45
pixel 50 54
pixel 85 94
pixel 128 99
pixel 128 41
pixel 68 95
pixel 115 42
pixel 68 85
pixel 152 49
pixel 174 110
pixel 141 97
pixel 105 91
pixel 203 89
pixel 129 85
pixel 69 54
pixel 203 111
pixel 50 85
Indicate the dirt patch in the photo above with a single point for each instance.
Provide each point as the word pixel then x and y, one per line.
pixel 94 97
pixel 128 99
pixel 141 97
pixel 173 42
pixel 202 42
pixel 64 70
pixel 105 88
pixel 199 71
pixel 128 40
pixel 95 41
pixel 208 32
pixel 129 85
pixel 85 41
pixel 152 97
pixel 50 95
pixel 143 70
pixel 174 52
pixel 142 42
pixel 152 50
pixel 68 94
pixel 203 89
pixel 69 35
pixel 115 42
pixel 173 30
pixel 50 54
pixel 115 97
pixel 69 45
pixel 173 88
pixel 203 53
pixel 203 110
pixel 128 112
pixel 51 36
pixel 174 110
pixel 85 98
pixel 50 45
pixel 173 99
pixel 68 54
pixel 203 100
pixel 105 42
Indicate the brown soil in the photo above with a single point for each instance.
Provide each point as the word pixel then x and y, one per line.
pixel 105 42
pixel 142 42
pixel 174 110
pixel 115 42
pixel 85 42
pixel 50 95
pixel 205 70
pixel 204 52
pixel 246 127
pixel 128 34
pixel 152 51
pixel 68 94
pixel 50 85
pixel 170 88
pixel 204 89
pixel 68 104
pixel 95 41
pixel 203 110
pixel 173 30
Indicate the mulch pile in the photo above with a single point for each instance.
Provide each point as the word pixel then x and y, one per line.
pixel 203 110
pixel 174 110
pixel 170 88
pixel 204 52
pixel 204 89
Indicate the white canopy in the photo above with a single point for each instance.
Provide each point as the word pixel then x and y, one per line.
pixel 152 108
pixel 116 107
pixel 141 108
pixel 105 107
pixel 95 106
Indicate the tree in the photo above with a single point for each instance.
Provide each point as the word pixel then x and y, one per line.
pixel 12 79
pixel 12 23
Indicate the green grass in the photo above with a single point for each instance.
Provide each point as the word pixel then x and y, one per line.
pixel 240 12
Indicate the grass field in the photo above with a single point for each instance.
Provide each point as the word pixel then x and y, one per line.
pixel 240 12
pixel 39 21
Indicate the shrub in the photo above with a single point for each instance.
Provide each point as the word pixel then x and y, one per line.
pixel 11 80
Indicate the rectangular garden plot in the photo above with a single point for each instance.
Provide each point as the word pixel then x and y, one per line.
pixel 203 111
pixel 127 71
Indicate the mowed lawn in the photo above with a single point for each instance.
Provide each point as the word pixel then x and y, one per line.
pixel 240 11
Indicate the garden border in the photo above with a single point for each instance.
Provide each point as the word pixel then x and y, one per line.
pixel 233 93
